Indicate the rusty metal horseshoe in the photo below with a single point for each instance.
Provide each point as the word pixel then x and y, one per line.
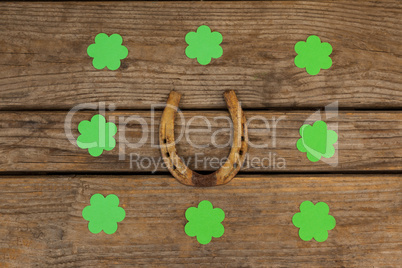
pixel 176 166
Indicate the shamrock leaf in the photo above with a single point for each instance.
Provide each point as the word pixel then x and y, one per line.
pixel 204 222
pixel 314 221
pixel 103 214
pixel 96 135
pixel 313 55
pixel 317 141
pixel 204 45
pixel 107 51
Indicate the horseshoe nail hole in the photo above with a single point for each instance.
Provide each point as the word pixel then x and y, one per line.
pixel 241 153
pixel 174 167
pixel 242 138
pixel 167 154
pixel 164 140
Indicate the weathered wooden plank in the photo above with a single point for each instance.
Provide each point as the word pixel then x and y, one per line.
pixel 37 142
pixel 44 64
pixel 41 223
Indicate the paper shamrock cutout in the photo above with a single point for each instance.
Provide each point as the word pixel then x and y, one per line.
pixel 96 135
pixel 313 55
pixel 107 51
pixel 317 141
pixel 204 45
pixel 204 222
pixel 103 214
pixel 314 221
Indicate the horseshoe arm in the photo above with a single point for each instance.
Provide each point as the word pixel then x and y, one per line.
pixel 176 166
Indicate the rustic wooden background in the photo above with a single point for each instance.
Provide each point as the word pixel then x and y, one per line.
pixel 45 181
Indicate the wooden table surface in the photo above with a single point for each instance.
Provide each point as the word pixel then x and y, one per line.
pixel 45 181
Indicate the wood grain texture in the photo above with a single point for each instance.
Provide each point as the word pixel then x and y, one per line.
pixel 41 223
pixel 368 141
pixel 44 64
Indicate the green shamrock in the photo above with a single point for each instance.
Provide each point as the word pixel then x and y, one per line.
pixel 96 135
pixel 204 222
pixel 103 214
pixel 313 55
pixel 204 45
pixel 317 141
pixel 107 51
pixel 313 221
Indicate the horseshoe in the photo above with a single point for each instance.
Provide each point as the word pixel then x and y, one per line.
pixel 176 166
